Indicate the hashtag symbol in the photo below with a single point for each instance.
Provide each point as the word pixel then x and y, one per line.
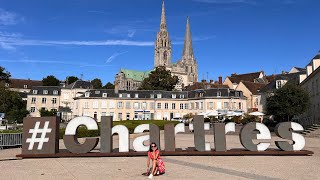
pixel 36 131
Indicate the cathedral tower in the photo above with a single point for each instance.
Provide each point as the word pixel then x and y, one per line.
pixel 162 50
pixel 188 60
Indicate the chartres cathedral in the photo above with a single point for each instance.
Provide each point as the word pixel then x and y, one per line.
pixel 186 69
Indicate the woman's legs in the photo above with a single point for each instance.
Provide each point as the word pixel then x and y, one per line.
pixel 154 167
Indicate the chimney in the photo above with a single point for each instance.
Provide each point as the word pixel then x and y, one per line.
pixel 220 79
pixel 204 81
pixel 234 74
pixel 211 81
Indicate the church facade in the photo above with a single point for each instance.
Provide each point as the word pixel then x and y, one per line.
pixel 186 69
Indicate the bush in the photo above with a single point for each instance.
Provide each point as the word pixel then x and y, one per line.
pixel 236 119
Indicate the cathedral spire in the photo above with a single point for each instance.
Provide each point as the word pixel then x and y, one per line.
pixel 187 49
pixel 163 24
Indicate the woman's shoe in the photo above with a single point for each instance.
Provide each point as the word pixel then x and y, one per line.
pixel 150 176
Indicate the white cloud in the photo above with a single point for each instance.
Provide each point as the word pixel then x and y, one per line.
pixel 113 56
pixel 8 18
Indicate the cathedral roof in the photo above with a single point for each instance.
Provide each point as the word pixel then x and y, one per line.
pixel 135 75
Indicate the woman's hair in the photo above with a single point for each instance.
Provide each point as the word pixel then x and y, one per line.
pixel 150 148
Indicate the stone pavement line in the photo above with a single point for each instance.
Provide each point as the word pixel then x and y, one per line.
pixel 220 170
pixel 56 160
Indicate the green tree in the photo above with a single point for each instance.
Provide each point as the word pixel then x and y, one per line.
pixel 109 85
pixel 159 79
pixel 12 105
pixel 72 79
pixel 287 102
pixel 50 81
pixel 96 83
pixel 4 75
pixel 46 113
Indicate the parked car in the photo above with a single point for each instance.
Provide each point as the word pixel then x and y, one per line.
pixel 179 119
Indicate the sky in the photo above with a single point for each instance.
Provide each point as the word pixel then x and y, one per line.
pixel 95 38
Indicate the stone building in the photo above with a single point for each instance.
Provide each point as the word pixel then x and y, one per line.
pixel 186 68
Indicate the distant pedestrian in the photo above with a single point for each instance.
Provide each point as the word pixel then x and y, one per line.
pixel 158 166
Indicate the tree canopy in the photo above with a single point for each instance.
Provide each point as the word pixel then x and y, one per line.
pixel 50 81
pixel 4 75
pixel 159 79
pixel 12 105
pixel 287 102
pixel 96 83
pixel 72 79
pixel 109 85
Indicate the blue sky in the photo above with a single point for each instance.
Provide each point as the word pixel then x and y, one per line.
pixel 98 37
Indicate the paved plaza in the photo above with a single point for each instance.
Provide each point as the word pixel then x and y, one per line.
pixel 192 167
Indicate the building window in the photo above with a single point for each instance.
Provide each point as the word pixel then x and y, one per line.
pixel 55 92
pixel 44 100
pixel 33 100
pixel 181 96
pixel 173 106
pixel 33 109
pixel 211 105
pixel 226 105
pixel 192 105
pixel 237 94
pixel 97 92
pixel 136 96
pixel 95 105
pixel 35 92
pixel 66 96
pixel 86 105
pixel 103 114
pixel 152 105
pixel 144 105
pixel 120 116
pixel 174 96
pixel 158 95
pixel 136 105
pixel 152 96
pixel 104 104
pixel 158 105
pixel 87 94
pixel 45 91
pixel 128 95
pixel 112 105
pixel 128 105
pixel 120 105
pixel 201 105
pixel 181 105
pixel 186 105
pixel 197 105
pixel 120 95
pixel 54 100
pixel 104 95
pixel 7 84
pixel 219 94
pixel 25 86
pixel 166 106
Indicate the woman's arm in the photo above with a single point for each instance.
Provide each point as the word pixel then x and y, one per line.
pixel 156 155
pixel 148 162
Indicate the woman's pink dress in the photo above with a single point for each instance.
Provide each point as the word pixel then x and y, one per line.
pixel 161 166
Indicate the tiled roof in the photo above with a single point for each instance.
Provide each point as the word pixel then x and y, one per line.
pixel 135 75
pixel 80 84
pixel 292 77
pixel 20 83
pixel 250 77
pixel 254 88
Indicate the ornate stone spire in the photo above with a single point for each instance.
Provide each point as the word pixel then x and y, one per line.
pixel 187 49
pixel 163 24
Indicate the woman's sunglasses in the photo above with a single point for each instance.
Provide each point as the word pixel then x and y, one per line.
pixel 153 146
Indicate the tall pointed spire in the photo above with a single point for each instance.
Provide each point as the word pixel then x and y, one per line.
pixel 163 24
pixel 187 49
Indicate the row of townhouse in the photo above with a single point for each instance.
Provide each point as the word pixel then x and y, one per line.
pixel 128 105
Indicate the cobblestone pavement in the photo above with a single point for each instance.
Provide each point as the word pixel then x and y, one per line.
pixel 190 167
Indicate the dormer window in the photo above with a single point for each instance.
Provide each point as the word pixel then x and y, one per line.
pixel 25 86
pixel 97 92
pixel 55 92
pixel 87 94
pixel 128 95
pixel 158 95
pixel 181 96
pixel 174 96
pixel 104 95
pixel 151 95
pixel 136 96
pixel 219 94
pixel 45 91
pixel 120 95
pixel 35 92
pixel 7 84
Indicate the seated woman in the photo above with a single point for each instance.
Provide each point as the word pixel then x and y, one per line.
pixel 157 163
